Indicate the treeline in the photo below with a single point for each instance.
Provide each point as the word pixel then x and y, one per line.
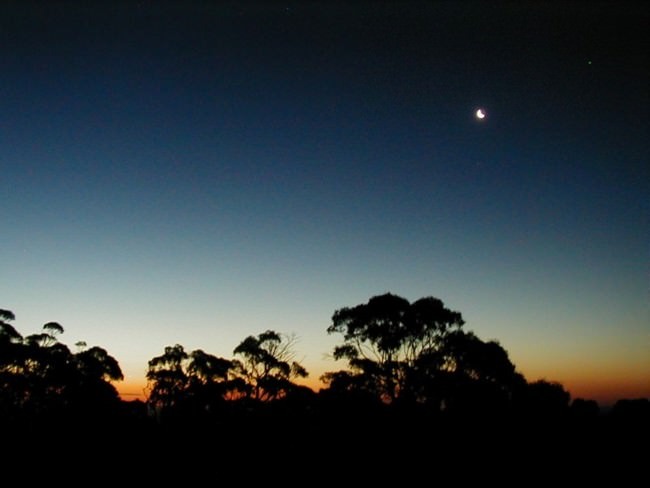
pixel 41 377
pixel 403 359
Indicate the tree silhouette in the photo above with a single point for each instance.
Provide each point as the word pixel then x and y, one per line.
pixel 97 364
pixel 7 331
pixel 546 399
pixel 39 376
pixel 168 378
pixel 268 366
pixel 584 409
pixel 385 340
pixel 210 380
pixel 466 373
pixel 206 368
pixel 404 358
pixel 180 382
pixel 53 328
pixel 12 381
pixel 417 353
pixel 93 390
pixel 635 411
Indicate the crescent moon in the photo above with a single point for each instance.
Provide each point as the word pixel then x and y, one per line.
pixel 480 114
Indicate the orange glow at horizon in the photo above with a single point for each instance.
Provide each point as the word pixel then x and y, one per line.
pixel 137 390
pixel 131 390
pixel 605 390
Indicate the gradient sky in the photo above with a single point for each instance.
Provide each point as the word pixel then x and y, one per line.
pixel 194 175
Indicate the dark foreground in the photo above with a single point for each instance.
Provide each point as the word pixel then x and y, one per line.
pixel 345 447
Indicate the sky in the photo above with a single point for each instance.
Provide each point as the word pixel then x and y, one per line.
pixel 198 172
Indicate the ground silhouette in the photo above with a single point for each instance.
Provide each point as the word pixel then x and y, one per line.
pixel 417 387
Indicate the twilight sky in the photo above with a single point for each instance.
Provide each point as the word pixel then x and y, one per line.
pixel 196 174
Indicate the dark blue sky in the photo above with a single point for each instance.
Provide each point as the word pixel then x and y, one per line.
pixel 196 174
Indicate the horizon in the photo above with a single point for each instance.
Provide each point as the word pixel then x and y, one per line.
pixel 606 393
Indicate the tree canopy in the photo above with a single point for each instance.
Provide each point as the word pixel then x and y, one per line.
pixel 268 365
pixel 417 352
pixel 398 354
pixel 40 376
pixel 198 381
